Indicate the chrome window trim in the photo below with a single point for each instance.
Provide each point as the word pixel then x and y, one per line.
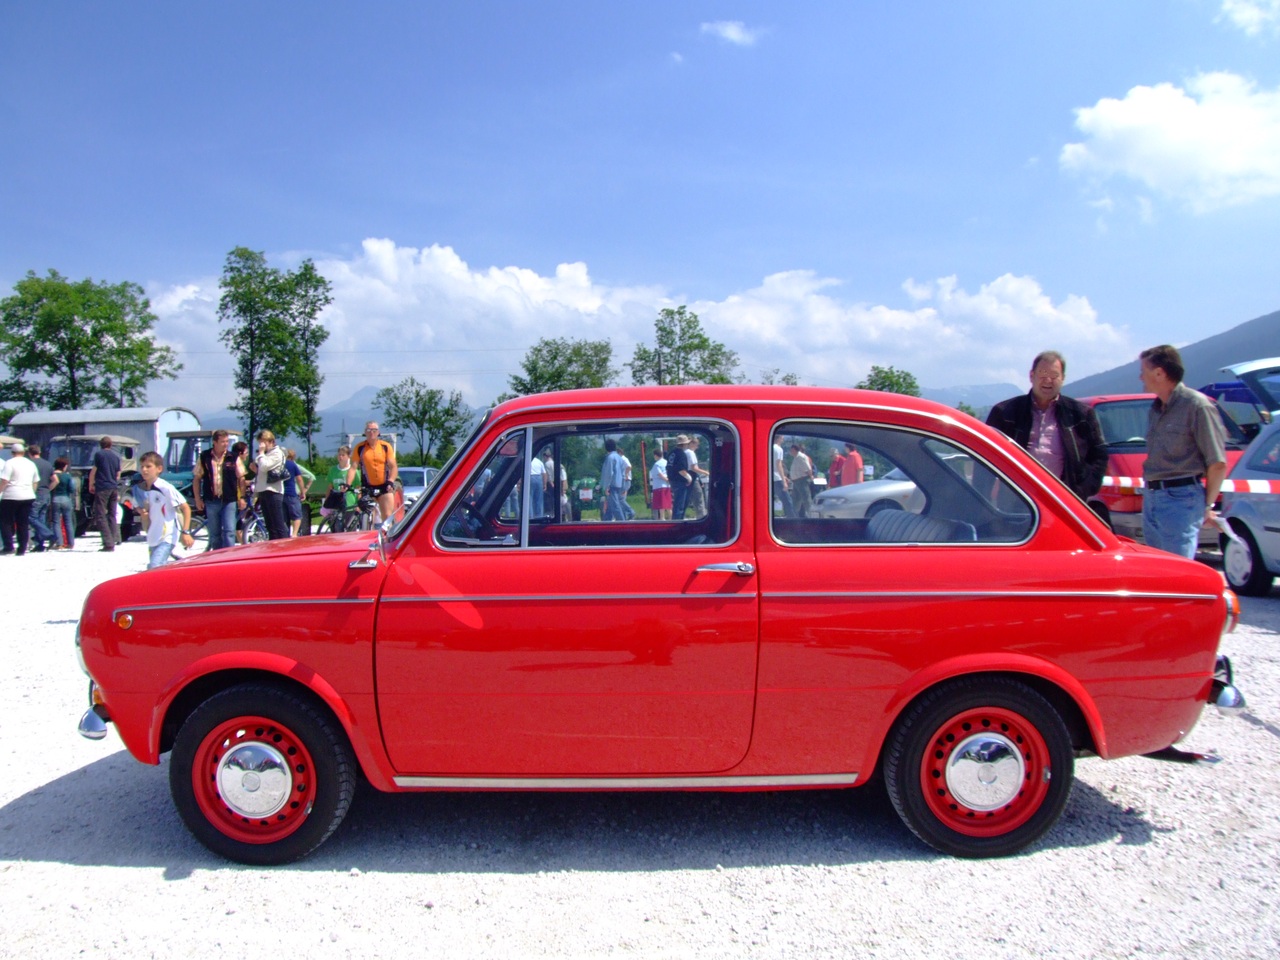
pixel 528 430
pixel 778 426
pixel 625 783
pixel 762 402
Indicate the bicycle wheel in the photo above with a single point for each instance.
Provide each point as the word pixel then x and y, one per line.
pixel 201 534
pixel 256 531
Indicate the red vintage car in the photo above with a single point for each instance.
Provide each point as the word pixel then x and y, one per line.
pixel 967 650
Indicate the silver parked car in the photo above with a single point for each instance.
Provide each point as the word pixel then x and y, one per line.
pixel 1251 561
pixel 415 480
pixel 894 491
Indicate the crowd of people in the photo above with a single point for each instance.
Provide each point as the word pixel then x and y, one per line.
pixel 1183 473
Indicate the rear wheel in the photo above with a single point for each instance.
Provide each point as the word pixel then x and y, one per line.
pixel 261 775
pixel 255 531
pixel 1243 565
pixel 979 767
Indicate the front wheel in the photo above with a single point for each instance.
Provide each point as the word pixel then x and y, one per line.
pixel 979 767
pixel 260 775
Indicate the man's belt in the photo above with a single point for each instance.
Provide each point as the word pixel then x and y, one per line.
pixel 1177 482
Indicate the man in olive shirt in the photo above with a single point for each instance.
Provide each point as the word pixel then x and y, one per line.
pixel 1185 445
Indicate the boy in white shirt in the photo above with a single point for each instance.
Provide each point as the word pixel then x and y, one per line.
pixel 164 506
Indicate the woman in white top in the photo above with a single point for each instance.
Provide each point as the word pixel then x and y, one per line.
pixel 18 479
pixel 270 493
pixel 661 487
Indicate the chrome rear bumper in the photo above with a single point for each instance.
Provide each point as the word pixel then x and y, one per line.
pixel 1223 694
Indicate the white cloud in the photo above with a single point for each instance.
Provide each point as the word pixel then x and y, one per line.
pixel 946 337
pixel 1253 16
pixel 401 311
pixel 732 31
pixel 1214 144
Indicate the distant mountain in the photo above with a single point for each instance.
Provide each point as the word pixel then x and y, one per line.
pixel 979 397
pixel 336 421
pixel 1204 359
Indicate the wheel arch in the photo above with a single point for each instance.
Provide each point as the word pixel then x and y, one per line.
pixel 1067 697
pixel 208 678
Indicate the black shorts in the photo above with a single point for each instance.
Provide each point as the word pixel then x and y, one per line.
pixel 379 490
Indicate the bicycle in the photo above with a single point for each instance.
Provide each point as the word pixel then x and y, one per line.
pixel 363 516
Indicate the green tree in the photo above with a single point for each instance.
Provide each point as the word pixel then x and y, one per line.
pixel 304 294
pixel 432 419
pixel 965 408
pixel 87 342
pixel 563 364
pixel 776 375
pixel 682 353
pixel 273 333
pixel 890 380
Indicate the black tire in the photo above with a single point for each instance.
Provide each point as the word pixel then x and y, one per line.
pixel 1242 563
pixel 255 531
pixel 327 524
pixel 979 767
pixel 301 767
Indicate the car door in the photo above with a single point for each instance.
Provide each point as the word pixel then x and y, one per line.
pixel 517 645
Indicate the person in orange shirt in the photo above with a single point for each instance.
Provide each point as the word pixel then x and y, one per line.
pixel 378 470
pixel 851 470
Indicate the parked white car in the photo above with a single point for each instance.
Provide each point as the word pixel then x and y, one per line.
pixel 1251 560
pixel 893 491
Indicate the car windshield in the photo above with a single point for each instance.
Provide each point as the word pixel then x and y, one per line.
pixel 1124 423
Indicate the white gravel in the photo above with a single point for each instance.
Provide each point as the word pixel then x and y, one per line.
pixel 1150 860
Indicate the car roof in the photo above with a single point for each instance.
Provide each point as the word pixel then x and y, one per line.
pixel 1116 397
pixel 731 394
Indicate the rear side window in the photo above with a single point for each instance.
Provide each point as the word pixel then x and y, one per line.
pixel 858 484
pixel 643 483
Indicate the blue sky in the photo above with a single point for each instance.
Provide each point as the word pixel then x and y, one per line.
pixel 942 187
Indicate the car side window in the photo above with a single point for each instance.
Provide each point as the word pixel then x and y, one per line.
pixel 641 483
pixel 1267 456
pixel 852 483
pixel 488 511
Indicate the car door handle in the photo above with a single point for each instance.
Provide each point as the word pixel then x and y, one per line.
pixel 741 568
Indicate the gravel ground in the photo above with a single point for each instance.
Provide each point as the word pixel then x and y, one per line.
pixel 1150 859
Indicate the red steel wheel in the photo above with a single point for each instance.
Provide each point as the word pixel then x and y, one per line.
pixel 987 772
pixel 254 778
pixel 979 767
pixel 261 774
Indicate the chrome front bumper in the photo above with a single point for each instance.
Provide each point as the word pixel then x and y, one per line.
pixel 93 725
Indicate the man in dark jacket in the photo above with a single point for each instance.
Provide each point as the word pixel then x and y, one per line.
pixel 1060 432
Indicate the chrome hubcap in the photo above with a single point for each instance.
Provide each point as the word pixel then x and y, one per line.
pixel 1237 562
pixel 254 780
pixel 985 771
